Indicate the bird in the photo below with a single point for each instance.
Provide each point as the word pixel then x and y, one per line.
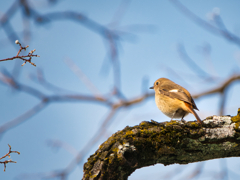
pixel 174 100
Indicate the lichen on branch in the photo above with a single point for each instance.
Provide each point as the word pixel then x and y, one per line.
pixel 167 143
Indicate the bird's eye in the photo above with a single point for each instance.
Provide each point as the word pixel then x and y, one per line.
pixel 156 83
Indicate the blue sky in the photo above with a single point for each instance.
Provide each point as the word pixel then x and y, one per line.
pixel 144 53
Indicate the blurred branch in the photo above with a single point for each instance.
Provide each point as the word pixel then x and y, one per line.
pixel 8 155
pixel 63 174
pixel 5 21
pixel 27 58
pixel 117 17
pixel 16 121
pixel 224 169
pixel 220 89
pixel 40 79
pixel 78 97
pixel 83 152
pixel 192 65
pixel 197 171
pixel 83 78
pixel 45 100
pixel 222 102
pixel 177 171
pixel 214 30
pixel 111 35
pixel 57 144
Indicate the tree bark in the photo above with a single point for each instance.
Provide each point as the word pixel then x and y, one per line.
pixel 167 143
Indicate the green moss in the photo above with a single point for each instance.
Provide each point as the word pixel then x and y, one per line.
pixel 237 117
pixel 93 176
pixel 171 123
pixel 209 117
pixel 235 145
pixel 236 120
pixel 144 123
pixel 115 150
pixel 194 124
pixel 129 133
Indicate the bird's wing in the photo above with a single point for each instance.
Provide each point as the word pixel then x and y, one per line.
pixel 177 94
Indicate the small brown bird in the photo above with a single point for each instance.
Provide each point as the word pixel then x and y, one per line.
pixel 174 100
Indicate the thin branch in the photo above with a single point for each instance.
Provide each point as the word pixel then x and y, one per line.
pixel 214 30
pixel 224 169
pixel 40 79
pixel 8 155
pixel 222 102
pixel 5 24
pixel 25 116
pixel 197 171
pixel 220 88
pixel 115 61
pixel 83 78
pixel 118 16
pixel 55 143
pixel 26 58
pixel 6 79
pixel 192 65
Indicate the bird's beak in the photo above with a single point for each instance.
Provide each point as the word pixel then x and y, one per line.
pixel 151 87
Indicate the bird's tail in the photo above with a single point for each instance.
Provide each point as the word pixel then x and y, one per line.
pixel 190 108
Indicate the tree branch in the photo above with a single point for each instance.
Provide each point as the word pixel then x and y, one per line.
pixel 8 155
pixel 167 143
pixel 27 58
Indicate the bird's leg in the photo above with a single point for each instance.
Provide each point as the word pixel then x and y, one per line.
pixel 173 115
pixel 183 119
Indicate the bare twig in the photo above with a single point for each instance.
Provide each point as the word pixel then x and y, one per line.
pixel 8 154
pixel 26 58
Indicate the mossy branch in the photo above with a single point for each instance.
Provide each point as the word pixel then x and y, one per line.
pixel 167 143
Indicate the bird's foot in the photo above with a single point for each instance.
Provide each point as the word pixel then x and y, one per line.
pixel 183 121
